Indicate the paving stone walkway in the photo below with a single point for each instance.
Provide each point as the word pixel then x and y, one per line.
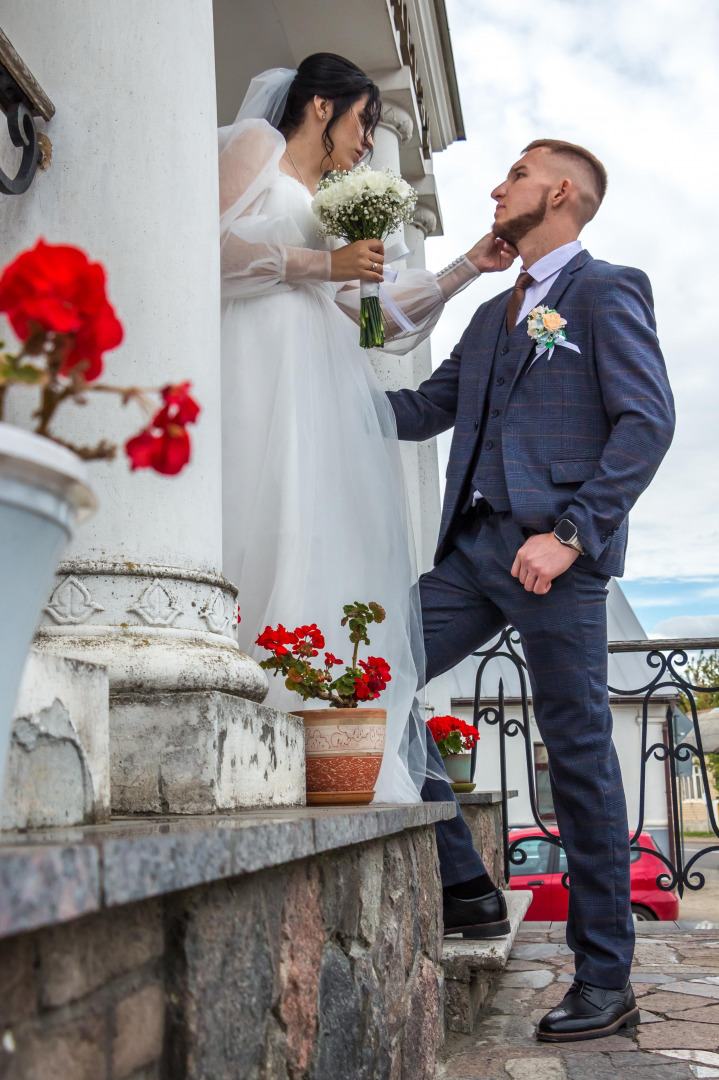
pixel 676 981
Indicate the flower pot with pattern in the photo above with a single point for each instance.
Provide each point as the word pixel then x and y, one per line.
pixel 343 750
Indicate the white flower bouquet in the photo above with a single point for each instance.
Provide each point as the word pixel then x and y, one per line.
pixel 364 205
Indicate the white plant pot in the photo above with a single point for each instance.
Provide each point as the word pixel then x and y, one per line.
pixel 43 495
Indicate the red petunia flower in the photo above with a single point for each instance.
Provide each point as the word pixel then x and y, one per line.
pixel 55 288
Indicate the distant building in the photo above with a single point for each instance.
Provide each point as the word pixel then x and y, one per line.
pixel 695 815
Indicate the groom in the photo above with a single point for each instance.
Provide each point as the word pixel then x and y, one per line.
pixel 549 455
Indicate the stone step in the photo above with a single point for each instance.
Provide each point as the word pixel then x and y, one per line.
pixel 470 967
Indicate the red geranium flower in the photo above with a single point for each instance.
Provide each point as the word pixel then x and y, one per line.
pixel 362 690
pixel 55 288
pixel 166 453
pixel 442 727
pixel 309 640
pixel 276 640
pixel 332 661
pixel 165 445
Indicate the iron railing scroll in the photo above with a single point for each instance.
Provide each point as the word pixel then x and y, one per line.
pixel 665 659
pixel 22 99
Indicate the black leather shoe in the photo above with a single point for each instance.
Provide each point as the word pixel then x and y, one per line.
pixel 484 917
pixel 589 1012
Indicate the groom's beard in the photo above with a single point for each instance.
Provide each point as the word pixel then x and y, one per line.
pixel 517 228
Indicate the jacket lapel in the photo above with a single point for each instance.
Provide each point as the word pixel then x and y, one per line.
pixel 551 300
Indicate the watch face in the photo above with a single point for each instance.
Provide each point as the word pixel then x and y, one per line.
pixel 565 530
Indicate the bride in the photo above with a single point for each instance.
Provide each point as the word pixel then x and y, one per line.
pixel 315 512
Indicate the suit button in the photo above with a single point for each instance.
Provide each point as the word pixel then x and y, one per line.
pixel 488 445
pixel 505 350
pixel 476 424
pixel 495 412
pixel 500 381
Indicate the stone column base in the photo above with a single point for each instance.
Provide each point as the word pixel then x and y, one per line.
pixel 199 753
pixel 58 770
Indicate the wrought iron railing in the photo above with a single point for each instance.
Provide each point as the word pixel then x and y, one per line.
pixel 22 99
pixel 666 658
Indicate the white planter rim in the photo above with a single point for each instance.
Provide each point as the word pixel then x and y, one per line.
pixel 39 462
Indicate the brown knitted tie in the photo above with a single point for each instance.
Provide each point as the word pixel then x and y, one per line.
pixel 517 299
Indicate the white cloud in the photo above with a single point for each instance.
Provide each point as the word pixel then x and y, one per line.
pixel 687 626
pixel 636 83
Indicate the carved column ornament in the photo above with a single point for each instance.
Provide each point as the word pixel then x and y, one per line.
pixel 425 219
pixel 22 99
pixel 398 119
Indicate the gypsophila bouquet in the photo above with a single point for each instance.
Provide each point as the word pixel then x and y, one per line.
pixel 364 205
pixel 293 651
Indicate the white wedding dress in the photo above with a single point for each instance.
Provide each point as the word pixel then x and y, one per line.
pixel 315 511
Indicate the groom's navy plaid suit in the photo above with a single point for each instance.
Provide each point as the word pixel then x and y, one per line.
pixel 581 437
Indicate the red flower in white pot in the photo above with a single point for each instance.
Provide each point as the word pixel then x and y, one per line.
pixel 56 302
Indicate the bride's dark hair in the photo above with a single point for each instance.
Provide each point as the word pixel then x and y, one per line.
pixel 333 77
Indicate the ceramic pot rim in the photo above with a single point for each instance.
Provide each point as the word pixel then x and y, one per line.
pixel 342 716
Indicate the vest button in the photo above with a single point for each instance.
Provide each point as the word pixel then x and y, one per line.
pixel 488 445
pixel 505 350
pixel 476 424
pixel 495 412
pixel 500 381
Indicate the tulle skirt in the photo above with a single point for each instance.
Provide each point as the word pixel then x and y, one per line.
pixel 315 509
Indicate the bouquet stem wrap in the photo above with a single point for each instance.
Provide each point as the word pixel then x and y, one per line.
pixel 371 325
pixel 366 205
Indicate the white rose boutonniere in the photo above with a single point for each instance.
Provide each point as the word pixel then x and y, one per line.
pixel 546 328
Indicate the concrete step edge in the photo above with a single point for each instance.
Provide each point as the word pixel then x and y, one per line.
pixel 462 958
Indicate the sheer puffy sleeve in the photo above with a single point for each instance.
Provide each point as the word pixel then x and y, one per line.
pixel 420 297
pixel 259 251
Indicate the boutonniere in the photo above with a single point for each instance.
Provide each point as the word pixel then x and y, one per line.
pixel 546 328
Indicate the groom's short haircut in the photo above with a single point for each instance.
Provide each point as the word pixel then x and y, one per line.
pixel 590 167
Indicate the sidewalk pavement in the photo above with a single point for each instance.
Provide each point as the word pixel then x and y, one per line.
pixel 676 982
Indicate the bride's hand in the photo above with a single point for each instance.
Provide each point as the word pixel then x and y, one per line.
pixel 491 253
pixel 355 261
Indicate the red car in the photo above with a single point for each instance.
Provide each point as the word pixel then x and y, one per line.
pixel 542 873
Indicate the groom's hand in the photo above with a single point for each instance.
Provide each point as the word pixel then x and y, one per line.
pixel 492 253
pixel 540 561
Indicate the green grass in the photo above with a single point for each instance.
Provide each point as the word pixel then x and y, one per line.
pixel 701 834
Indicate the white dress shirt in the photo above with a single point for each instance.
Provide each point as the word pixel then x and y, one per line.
pixel 545 272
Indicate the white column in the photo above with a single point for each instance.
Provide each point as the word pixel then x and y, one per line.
pixel 423 223
pixel 133 181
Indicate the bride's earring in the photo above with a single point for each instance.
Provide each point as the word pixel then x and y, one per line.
pixel 324 116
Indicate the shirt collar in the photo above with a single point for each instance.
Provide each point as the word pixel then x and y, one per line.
pixel 554 261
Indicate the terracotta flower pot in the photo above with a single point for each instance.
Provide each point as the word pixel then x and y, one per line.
pixel 343 749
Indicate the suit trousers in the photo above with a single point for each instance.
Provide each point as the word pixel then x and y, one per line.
pixel 466 600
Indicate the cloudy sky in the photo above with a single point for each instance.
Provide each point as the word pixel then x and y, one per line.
pixel 637 82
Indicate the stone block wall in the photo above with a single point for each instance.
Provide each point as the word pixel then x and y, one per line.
pixel 483 813
pixel 325 968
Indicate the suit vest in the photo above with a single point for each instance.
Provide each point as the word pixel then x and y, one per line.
pixel 488 472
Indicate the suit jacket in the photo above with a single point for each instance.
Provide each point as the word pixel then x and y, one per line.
pixel 582 434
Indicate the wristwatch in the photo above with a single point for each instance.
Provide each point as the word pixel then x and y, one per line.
pixel 566 533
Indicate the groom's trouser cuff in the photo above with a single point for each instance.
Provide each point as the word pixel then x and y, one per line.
pixel 459 859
